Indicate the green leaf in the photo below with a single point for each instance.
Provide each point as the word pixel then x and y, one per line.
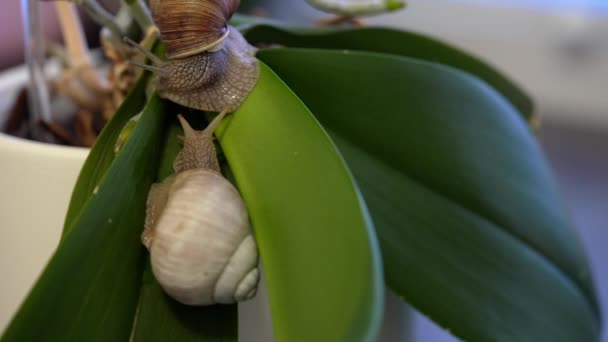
pixel 316 243
pixel 160 318
pixel 89 289
pixel 470 223
pixel 241 20
pixel 358 7
pixel 395 42
pixel 102 153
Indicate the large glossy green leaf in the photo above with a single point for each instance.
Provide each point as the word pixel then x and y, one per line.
pixel 317 246
pixel 471 227
pixel 395 42
pixel 160 318
pixel 89 289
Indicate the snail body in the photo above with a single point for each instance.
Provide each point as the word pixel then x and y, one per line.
pixel 197 229
pixel 211 66
pixel 211 81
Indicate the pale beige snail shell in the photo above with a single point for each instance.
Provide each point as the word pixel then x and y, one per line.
pixel 197 229
pixel 211 66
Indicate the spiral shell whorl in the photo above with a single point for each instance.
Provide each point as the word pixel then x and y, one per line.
pixel 188 27
pixel 208 256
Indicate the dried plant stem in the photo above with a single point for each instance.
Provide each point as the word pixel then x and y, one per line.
pixel 57 51
pixel 79 56
pixel 73 35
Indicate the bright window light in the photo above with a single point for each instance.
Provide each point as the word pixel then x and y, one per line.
pixel 548 4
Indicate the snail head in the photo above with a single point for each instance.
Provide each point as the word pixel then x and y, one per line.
pixel 199 149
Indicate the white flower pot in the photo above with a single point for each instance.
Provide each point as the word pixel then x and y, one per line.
pixel 36 182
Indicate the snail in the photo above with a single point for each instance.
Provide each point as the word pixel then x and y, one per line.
pixel 211 66
pixel 197 229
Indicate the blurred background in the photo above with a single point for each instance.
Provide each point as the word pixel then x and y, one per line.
pixel 556 49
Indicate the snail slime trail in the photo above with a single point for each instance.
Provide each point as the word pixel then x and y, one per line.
pixel 211 66
pixel 197 230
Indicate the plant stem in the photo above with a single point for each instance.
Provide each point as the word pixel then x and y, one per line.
pixel 57 51
pixel 125 22
pixel 101 16
pixel 141 14
pixel 34 54
pixel 78 53
pixel 73 36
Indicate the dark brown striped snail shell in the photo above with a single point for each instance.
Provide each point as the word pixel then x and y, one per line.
pixel 189 27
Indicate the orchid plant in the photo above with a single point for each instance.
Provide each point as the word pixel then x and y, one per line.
pixel 367 157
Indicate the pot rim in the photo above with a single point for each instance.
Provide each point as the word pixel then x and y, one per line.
pixel 10 80
pixel 9 142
